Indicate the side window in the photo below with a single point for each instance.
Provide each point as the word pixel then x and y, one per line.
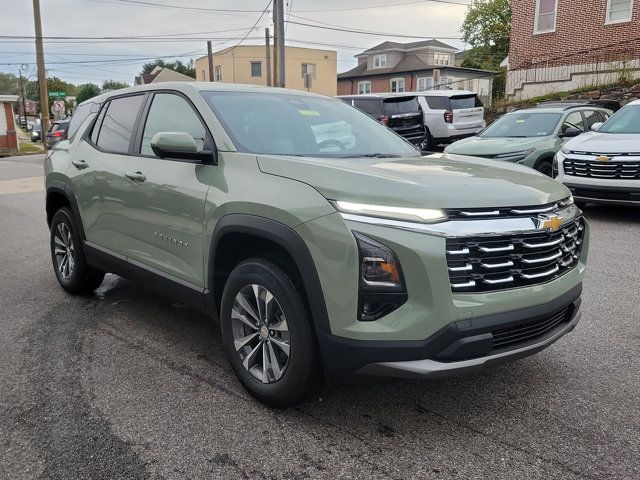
pixel 98 124
pixel 591 117
pixel 171 113
pixel 79 116
pixel 118 124
pixel 573 120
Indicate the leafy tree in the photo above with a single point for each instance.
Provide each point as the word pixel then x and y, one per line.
pixel 113 85
pixel 87 91
pixel 486 29
pixel 179 66
pixel 9 84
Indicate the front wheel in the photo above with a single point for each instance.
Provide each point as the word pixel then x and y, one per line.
pixel 267 334
pixel 545 167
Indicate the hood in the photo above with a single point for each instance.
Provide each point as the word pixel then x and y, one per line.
pixel 434 181
pixel 493 146
pixel 596 142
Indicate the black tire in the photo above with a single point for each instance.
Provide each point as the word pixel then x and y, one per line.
pixel 545 167
pixel 79 278
pixel 302 374
pixel 427 143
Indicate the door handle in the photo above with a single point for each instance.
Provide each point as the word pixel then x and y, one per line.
pixel 136 176
pixel 80 164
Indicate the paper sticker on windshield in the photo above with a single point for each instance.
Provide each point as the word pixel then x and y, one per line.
pixel 309 112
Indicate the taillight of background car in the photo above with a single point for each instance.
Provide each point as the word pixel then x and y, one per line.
pixel 448 116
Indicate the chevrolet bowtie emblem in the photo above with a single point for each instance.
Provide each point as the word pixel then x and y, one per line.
pixel 602 158
pixel 551 223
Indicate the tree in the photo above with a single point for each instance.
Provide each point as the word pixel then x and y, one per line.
pixel 113 85
pixel 486 28
pixel 9 84
pixel 87 91
pixel 179 66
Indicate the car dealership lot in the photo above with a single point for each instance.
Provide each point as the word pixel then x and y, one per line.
pixel 127 384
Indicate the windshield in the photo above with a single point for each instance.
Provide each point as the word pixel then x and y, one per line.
pixel 399 106
pixel 626 120
pixel 525 124
pixel 283 124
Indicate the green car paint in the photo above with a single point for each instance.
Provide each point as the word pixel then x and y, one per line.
pixel 168 222
pixel 530 150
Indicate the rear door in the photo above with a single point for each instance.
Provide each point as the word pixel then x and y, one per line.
pixel 164 199
pixel 468 112
pixel 97 172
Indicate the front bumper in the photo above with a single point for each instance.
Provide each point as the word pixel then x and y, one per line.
pixel 459 347
pixel 604 194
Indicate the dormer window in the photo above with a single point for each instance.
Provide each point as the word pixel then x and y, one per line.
pixel 380 61
pixel 441 58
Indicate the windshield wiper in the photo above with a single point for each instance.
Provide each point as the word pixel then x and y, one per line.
pixel 372 155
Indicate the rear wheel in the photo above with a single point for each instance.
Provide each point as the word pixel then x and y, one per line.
pixel 267 334
pixel 427 142
pixel 69 264
pixel 545 166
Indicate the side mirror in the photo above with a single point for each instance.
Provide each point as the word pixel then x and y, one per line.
pixel 571 132
pixel 596 126
pixel 179 145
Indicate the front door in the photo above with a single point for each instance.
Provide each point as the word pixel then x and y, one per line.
pixel 164 209
pixel 97 173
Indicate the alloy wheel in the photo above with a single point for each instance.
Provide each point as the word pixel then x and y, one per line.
pixel 64 251
pixel 260 333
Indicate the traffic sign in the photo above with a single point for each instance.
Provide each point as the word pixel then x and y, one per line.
pixel 58 106
pixel 57 94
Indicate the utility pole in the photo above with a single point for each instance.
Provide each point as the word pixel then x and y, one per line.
pixel 24 103
pixel 42 76
pixel 267 43
pixel 210 58
pixel 278 44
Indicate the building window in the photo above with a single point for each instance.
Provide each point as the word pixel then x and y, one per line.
pixel 425 83
pixel 256 69
pixel 397 85
pixel 380 61
pixel 203 77
pixel 364 87
pixel 546 12
pixel 309 69
pixel 619 11
pixel 441 59
pixel 218 73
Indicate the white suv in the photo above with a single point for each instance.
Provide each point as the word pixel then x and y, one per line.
pixel 603 166
pixel 449 115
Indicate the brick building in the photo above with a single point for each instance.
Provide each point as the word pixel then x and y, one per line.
pixel 560 45
pixel 410 67
pixel 8 133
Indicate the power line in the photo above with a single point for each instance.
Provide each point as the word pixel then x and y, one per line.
pixel 254 26
pixel 449 2
pixel 175 7
pixel 364 32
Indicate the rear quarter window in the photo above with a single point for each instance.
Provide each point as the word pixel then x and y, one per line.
pixel 370 106
pixel 437 103
pixel 400 106
pixel 464 101
pixel 79 116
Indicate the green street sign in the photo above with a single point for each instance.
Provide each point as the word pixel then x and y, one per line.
pixel 57 94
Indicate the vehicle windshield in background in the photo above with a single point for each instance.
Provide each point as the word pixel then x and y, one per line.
pixel 626 120
pixel 464 101
pixel 399 106
pixel 523 125
pixel 301 125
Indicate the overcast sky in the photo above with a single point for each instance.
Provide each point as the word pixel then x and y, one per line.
pixel 121 59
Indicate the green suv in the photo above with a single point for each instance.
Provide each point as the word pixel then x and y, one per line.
pixel 324 244
pixel 532 136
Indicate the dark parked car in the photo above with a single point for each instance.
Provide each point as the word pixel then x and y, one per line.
pixel 57 131
pixel 36 132
pixel 402 114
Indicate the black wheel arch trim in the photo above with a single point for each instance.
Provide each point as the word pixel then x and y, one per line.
pixel 287 238
pixel 60 187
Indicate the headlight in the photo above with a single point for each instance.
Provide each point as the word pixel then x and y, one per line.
pixel 381 285
pixel 422 215
pixel 522 154
pixel 564 151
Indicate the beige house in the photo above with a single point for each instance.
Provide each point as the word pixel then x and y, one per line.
pixel 247 64
pixel 160 74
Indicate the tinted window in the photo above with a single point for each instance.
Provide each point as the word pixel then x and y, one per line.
pixel 302 125
pixel 371 106
pixel 464 101
pixel 591 117
pixel 403 105
pixel 573 120
pixel 118 124
pixel 438 103
pixel 171 113
pixel 97 125
pixel 79 116
pixel 625 120
pixel 523 125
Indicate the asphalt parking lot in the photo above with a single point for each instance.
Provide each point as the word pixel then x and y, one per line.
pixel 126 385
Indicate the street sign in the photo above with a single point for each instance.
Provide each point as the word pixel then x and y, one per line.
pixel 57 94
pixel 58 106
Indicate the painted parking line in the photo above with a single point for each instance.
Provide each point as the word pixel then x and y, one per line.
pixel 22 185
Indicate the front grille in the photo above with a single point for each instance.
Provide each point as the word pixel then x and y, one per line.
pixel 487 263
pixel 512 336
pixel 605 194
pixel 622 169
